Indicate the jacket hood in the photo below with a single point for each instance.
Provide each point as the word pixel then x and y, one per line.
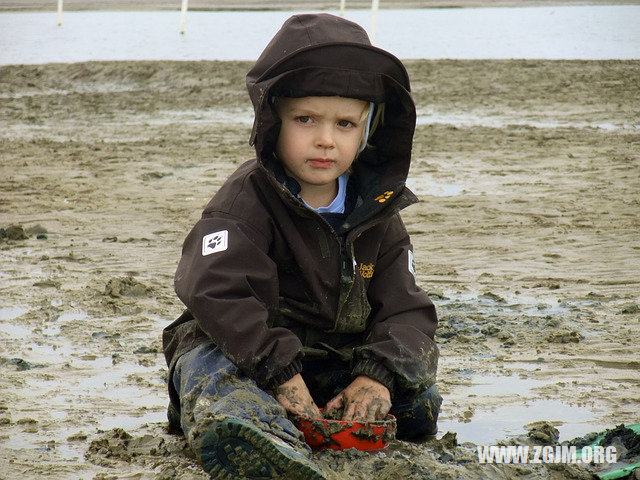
pixel 327 55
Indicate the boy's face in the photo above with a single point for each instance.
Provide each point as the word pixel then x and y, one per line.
pixel 319 137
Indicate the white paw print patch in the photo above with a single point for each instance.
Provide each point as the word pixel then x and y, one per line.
pixel 215 242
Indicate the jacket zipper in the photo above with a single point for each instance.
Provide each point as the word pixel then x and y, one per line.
pixel 347 270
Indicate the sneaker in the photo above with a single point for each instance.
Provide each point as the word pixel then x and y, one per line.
pixel 233 449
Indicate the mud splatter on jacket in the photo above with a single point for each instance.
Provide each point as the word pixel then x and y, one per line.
pixel 267 279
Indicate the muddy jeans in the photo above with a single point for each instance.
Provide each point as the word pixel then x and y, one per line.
pixel 211 389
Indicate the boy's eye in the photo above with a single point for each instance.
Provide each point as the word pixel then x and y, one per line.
pixel 303 119
pixel 345 123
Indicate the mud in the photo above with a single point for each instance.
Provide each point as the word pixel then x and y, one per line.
pixel 526 238
pixel 623 437
pixel 543 433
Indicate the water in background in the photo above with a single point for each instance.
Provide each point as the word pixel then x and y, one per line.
pixel 569 32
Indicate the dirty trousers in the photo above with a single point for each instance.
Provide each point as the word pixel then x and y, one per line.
pixel 211 388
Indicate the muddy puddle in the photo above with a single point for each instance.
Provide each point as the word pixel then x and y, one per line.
pixel 9 313
pixel 488 427
pixel 516 405
pixel 421 185
pixel 517 119
pixel 503 396
pixel 210 116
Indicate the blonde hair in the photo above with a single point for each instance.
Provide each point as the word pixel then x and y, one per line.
pixel 376 121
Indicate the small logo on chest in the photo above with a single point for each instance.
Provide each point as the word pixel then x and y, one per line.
pixel 366 270
pixel 384 197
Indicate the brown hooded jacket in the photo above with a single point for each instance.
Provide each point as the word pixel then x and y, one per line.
pixel 270 281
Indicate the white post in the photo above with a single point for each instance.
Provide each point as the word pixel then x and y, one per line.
pixel 183 16
pixel 374 19
pixel 342 4
pixel 59 13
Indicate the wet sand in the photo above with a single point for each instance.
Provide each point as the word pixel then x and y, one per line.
pixel 526 238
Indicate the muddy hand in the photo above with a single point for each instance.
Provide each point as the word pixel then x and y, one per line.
pixel 294 396
pixel 364 400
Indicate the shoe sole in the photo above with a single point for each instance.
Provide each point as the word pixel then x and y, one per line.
pixel 233 450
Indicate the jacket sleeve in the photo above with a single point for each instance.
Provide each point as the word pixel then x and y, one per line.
pixel 399 350
pixel 230 284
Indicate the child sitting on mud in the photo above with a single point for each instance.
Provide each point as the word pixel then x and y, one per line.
pixel 299 278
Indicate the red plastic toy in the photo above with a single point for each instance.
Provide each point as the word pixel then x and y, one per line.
pixel 321 433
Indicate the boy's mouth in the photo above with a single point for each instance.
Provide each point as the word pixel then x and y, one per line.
pixel 320 162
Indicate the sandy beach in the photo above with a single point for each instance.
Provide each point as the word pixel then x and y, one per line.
pixel 526 237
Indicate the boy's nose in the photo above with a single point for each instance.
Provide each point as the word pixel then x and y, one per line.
pixel 324 137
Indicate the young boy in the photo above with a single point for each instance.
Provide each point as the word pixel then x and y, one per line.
pixel 299 278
